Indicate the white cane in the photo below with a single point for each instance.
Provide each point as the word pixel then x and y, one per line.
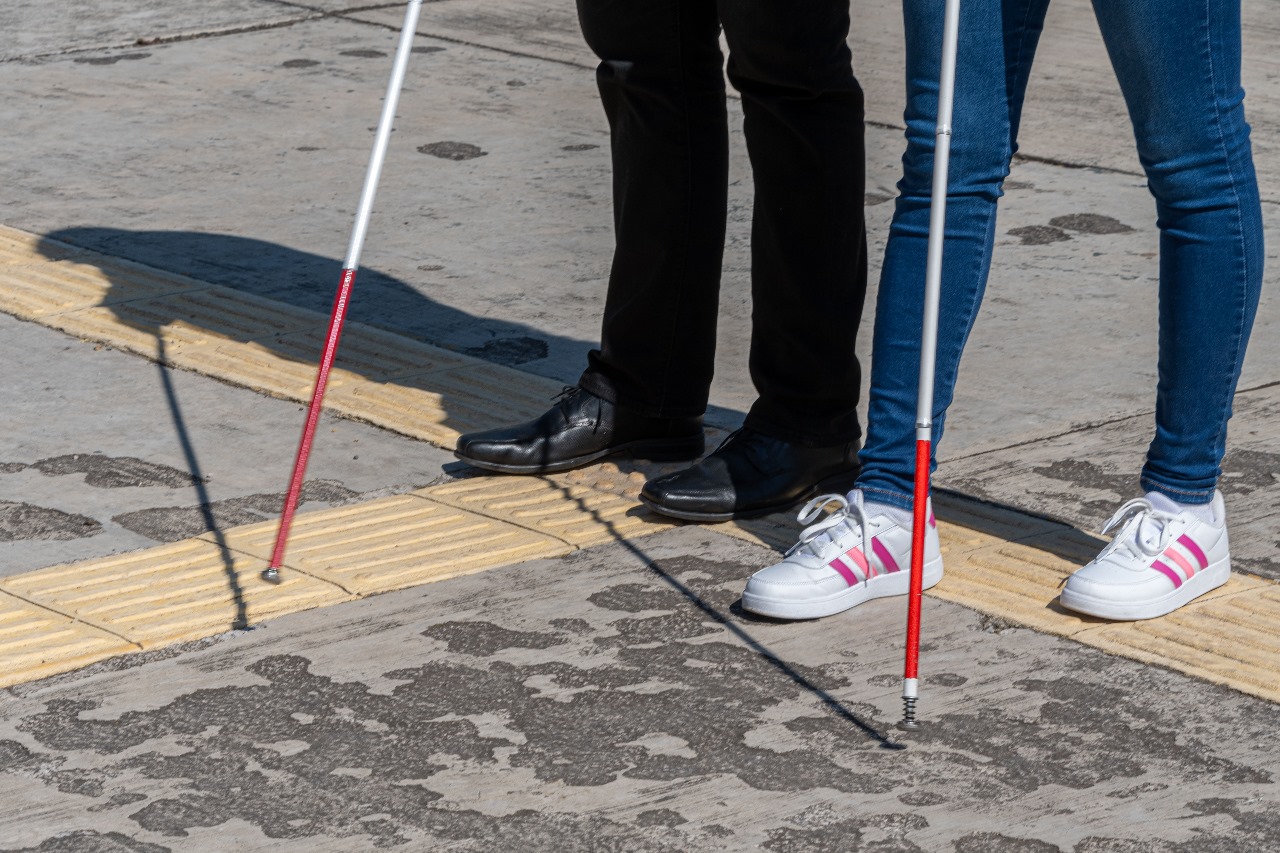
pixel 928 358
pixel 343 297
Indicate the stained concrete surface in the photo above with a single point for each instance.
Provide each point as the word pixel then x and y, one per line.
pixel 613 700
pixel 618 700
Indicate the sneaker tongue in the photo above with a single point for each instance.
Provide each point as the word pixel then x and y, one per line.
pixel 1151 529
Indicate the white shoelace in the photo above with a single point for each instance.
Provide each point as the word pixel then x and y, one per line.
pixel 1145 532
pixel 815 536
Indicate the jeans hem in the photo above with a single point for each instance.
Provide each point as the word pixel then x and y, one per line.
pixel 888 496
pixel 1185 496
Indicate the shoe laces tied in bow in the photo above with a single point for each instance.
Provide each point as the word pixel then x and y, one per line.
pixel 1144 530
pixel 817 536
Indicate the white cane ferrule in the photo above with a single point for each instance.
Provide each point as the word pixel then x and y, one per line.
pixel 910 688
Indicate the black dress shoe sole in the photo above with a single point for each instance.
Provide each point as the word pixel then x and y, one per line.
pixel 656 450
pixel 842 483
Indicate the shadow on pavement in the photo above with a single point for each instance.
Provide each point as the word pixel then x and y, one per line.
pixel 305 280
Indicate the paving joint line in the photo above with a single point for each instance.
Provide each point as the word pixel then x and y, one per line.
pixel 572 546
pixel 74 619
pixel 285 565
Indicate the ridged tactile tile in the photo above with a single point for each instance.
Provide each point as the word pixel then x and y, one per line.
pixel 188 330
pixel 22 247
pixel 779 531
pixel 221 313
pixel 285 365
pixel 368 352
pixel 38 290
pixel 35 642
pixel 257 366
pixel 578 516
pixel 438 406
pixel 1015 581
pixel 1230 636
pixel 174 344
pixel 395 542
pixel 183 591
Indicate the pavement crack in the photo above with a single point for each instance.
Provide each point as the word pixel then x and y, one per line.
pixel 1089 426
pixel 346 14
pixel 1042 438
pixel 150 41
pixel 372 7
pixel 1263 387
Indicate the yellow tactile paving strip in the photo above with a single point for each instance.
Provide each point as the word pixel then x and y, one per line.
pixel 57 619
pixel 183 591
pixel 395 542
pixel 36 641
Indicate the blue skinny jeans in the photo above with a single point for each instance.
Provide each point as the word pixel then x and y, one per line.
pixel 1178 64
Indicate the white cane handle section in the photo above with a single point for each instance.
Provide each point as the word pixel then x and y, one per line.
pixel 937 223
pixel 407 32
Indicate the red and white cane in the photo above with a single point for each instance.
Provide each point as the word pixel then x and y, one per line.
pixel 928 358
pixel 343 297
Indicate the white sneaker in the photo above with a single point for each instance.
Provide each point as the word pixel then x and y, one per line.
pixel 830 570
pixel 1162 558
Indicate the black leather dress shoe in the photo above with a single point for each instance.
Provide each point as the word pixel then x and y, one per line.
pixel 579 429
pixel 752 474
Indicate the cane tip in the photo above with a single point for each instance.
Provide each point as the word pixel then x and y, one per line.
pixel 271 575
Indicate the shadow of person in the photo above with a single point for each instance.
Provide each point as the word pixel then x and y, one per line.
pixel 308 281
pixel 153 305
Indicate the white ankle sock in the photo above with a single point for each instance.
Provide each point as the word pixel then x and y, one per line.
pixel 898 515
pixel 1164 503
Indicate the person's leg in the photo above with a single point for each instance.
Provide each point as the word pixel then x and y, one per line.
pixel 662 87
pixel 804 130
pixel 863 549
pixel 997 41
pixel 803 123
pixel 1178 63
pixel 645 389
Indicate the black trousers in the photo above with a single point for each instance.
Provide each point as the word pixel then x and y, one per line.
pixel 662 86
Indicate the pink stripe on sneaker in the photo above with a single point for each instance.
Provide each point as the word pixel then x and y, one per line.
pixel 858 557
pixel 933 522
pixel 886 559
pixel 845 572
pixel 1183 562
pixel 1167 572
pixel 1187 542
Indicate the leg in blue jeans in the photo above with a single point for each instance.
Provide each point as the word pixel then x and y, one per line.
pixel 1178 65
pixel 1181 82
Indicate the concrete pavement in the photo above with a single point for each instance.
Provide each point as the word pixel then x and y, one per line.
pixel 613 697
